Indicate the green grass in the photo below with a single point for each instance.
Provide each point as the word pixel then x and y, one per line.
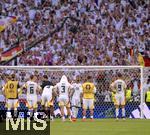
pixel 101 127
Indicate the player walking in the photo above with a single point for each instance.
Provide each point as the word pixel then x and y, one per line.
pixel 63 90
pixel 119 87
pixel 76 98
pixel 47 97
pixel 10 90
pixel 32 87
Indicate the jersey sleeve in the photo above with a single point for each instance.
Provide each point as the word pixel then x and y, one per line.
pixel 125 86
pixel 112 84
pixel 39 87
pixel 94 89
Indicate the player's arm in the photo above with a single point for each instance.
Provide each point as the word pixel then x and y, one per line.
pixel 112 87
pixel 94 91
pixel 125 88
pixel 39 88
pixel 54 94
pixel 55 90
pixel 3 90
pixel 71 91
pixel 21 88
pixel 81 94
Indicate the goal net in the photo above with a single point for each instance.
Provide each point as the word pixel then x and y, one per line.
pixel 102 77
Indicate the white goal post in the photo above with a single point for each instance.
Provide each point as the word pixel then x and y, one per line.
pixel 102 77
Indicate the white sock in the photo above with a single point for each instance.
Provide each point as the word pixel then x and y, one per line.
pixel 63 117
pixel 123 112
pixel 76 112
pixel 73 112
pixel 117 112
pixel 84 117
pixel 91 117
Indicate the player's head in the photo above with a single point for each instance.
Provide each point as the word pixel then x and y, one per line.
pixel 13 77
pixel 64 79
pixel 8 77
pixel 89 78
pixel 77 79
pixel 119 75
pixel 45 77
pixel 32 77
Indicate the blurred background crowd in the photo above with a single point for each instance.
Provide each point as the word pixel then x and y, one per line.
pixel 100 32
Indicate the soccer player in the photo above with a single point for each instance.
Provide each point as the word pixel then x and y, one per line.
pixel 32 88
pixel 11 92
pixel 119 87
pixel 47 97
pixel 45 82
pixel 89 91
pixel 63 90
pixel 47 100
pixel 76 98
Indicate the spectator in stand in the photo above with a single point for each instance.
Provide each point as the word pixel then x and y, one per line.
pixel 110 32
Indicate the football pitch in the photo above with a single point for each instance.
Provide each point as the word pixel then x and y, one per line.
pixel 101 127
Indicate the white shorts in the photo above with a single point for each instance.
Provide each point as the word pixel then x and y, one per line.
pixel 12 103
pixel 64 101
pixel 76 102
pixel 46 100
pixel 88 103
pixel 32 101
pixel 119 99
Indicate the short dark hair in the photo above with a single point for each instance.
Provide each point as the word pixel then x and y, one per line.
pixel 13 76
pixel 119 75
pixel 45 76
pixel 31 77
pixel 89 77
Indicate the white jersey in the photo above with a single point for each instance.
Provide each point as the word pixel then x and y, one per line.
pixel 48 91
pixel 77 90
pixel 119 86
pixel 63 87
pixel 31 87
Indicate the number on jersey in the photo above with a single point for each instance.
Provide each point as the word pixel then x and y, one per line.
pixel 31 87
pixel 63 89
pixel 119 86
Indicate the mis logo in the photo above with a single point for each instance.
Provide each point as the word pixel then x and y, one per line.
pixel 22 121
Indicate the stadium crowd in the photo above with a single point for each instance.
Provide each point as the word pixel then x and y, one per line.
pixel 106 32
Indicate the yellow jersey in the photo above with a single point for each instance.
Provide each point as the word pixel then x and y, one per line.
pixel 11 89
pixel 88 90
